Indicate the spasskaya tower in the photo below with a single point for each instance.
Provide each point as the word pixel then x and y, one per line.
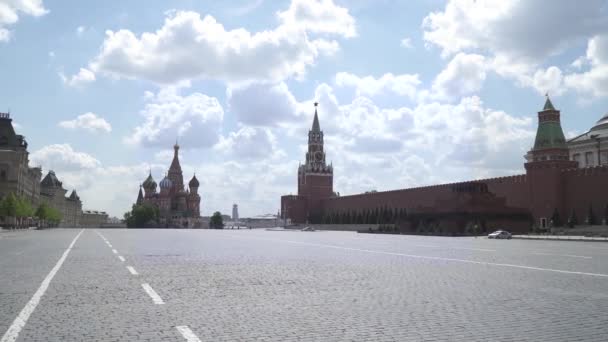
pixel 315 181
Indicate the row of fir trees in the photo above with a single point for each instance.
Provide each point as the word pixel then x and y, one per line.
pixel 590 218
pixel 381 215
pixel 17 212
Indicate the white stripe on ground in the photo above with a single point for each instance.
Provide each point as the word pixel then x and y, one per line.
pixel 187 333
pixel 114 251
pixel 121 258
pixel 13 331
pixel 132 270
pixel 473 249
pixel 150 291
pixel 564 255
pixel 578 256
pixel 434 258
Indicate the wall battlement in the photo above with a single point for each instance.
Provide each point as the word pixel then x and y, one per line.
pixel 446 186
pixel 587 171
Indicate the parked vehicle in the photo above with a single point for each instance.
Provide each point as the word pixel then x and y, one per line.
pixel 500 234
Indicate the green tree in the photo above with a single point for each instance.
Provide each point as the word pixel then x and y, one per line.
pixel 142 216
pixel 43 212
pixel 556 220
pixel 590 219
pixel 216 222
pixel 572 220
pixel 8 209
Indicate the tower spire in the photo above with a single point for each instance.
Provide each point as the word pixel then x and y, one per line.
pixel 549 134
pixel 315 123
pixel 548 104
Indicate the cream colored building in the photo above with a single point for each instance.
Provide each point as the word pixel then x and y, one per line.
pixel 16 175
pixel 591 148
pixel 53 194
pixel 93 219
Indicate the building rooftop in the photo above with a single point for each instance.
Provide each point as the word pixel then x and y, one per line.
pixel 599 130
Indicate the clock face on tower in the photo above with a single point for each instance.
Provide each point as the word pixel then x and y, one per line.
pixel 319 156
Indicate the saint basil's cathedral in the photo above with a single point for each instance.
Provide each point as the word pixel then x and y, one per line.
pixel 179 206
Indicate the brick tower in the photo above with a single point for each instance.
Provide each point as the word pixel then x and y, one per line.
pixel 548 158
pixel 315 177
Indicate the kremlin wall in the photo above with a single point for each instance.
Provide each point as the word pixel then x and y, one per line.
pixel 552 189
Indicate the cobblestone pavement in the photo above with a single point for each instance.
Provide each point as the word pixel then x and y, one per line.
pixel 257 285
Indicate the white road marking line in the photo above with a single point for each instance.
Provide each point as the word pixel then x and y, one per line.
pixel 121 258
pixel 429 246
pixel 187 333
pixel 13 331
pixel 564 255
pixel 435 258
pixel 114 251
pixel 578 256
pixel 474 249
pixel 132 270
pixel 150 291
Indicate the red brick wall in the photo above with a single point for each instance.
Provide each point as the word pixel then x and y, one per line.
pixel 583 187
pixel 513 188
pixel 294 207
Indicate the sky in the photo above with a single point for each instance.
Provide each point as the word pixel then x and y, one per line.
pixel 410 93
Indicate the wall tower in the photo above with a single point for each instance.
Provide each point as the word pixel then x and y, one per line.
pixel 548 158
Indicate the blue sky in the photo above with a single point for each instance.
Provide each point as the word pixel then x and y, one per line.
pixel 411 92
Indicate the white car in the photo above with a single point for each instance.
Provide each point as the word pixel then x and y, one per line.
pixel 500 234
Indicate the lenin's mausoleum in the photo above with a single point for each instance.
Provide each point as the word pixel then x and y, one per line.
pixel 553 191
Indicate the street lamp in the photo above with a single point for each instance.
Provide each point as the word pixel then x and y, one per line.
pixel 597 140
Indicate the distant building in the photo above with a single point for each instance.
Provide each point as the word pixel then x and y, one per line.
pixel 53 194
pixel 591 148
pixel 179 207
pixel 16 175
pixel 235 212
pixel 94 219
pixel 261 221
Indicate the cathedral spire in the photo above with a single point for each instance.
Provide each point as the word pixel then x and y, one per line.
pixel 175 170
pixel 315 123
pixel 140 197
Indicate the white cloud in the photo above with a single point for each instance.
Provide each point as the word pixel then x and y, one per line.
pixel 319 16
pixel 549 81
pixel 517 37
pixel 188 47
pixel 403 85
pixel 83 77
pixel 80 30
pixel 406 43
pixel 593 82
pixel 88 122
pixel 262 104
pixel 10 11
pixel 520 30
pixel 63 157
pixel 194 119
pixel 463 75
pixel 250 143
